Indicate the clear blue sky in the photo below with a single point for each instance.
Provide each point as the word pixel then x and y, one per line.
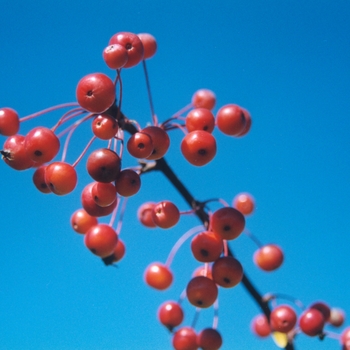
pixel 287 62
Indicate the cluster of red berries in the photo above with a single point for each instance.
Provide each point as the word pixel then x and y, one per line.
pixel 99 100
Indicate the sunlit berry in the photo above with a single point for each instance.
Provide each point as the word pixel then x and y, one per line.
pixel 158 276
pixel 269 257
pixel 230 120
pixel 81 221
pixel 149 45
pixel 244 202
pixel 260 326
pixel 165 214
pixel 201 291
pixel 170 314
pixel 209 339
pixel 9 122
pixel 61 178
pixel 204 98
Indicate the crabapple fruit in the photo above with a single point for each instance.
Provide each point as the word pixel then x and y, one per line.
pixel 9 122
pixel 158 276
pixel 160 141
pixel 61 178
pixel 201 291
pixel 170 314
pixel 337 317
pixel 200 119
pixel 95 92
pixel 115 56
pixel 283 319
pixel 149 45
pixel 185 338
pixel 39 179
pixel 204 98
pixel 230 120
pixel 104 126
pixel 209 339
pixel 81 221
pixel 269 257
pixel 104 194
pixel 128 183
pixel 227 271
pixel 311 322
pixel 145 216
pixel 165 214
pixel 206 246
pixel 244 202
pixel 140 145
pixel 260 326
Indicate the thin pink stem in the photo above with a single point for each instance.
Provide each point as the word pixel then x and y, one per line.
pixel 183 110
pixel 176 126
pixel 68 116
pixel 84 151
pixel 50 109
pixel 253 238
pixel 180 242
pixel 225 247
pixel 216 314
pixel 121 215
pixel 154 117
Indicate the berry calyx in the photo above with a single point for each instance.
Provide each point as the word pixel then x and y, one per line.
pixel 206 246
pixel 104 126
pixel 140 145
pixel 200 119
pixel 115 56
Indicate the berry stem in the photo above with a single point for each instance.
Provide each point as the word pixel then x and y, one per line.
pixel 84 151
pixel 253 238
pixel 154 117
pixel 48 110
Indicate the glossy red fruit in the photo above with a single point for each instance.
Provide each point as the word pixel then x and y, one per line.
pixel 311 322
pixel 140 145
pixel 198 147
pixel 158 276
pixel 149 45
pixel 104 126
pixel 145 216
pixel 81 221
pixel 101 240
pixel 260 326
pixel 185 338
pixel 103 165
pixel 14 153
pixel 209 339
pixel 41 144
pixel 128 183
pixel 230 120
pixel 337 317
pixel 283 319
pixel 160 141
pixel 323 308
pixel 61 178
pixel 170 314
pixel 133 45
pixel 104 194
pixel 91 207
pixel 245 203
pixel 165 214
pixel 206 246
pixel 118 251
pixel 115 56
pixel 345 337
pixel 227 222
pixel 201 291
pixel 227 271
pixel 95 92
pixel 9 122
pixel 248 123
pixel 269 257
pixel 200 119
pixel 204 98
pixel 39 179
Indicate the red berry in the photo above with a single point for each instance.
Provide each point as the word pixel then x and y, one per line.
pixel 118 251
pixel 39 179
pixel 61 178
pixel 227 222
pixel 311 322
pixel 206 246
pixel 198 147
pixel 133 45
pixel 323 308
pixel 128 183
pixel 283 319
pixel 103 165
pixel 200 119
pixel 145 216
pixel 149 45
pixel 165 214
pixel 104 126
pixel 185 338
pixel 269 257
pixel 115 56
pixel 160 141
pixel 41 144
pixel 91 207
pixel 101 239
pixel 9 122
pixel 158 276
pixel 104 194
pixel 201 291
pixel 209 339
pixel 81 221
pixel 140 145
pixel 204 99
pixel 227 271
pixel 95 92
pixel 345 337
pixel 170 314
pixel 230 120
pixel 260 326
pixel 244 202
pixel 15 154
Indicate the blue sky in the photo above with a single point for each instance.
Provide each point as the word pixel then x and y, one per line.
pixel 286 62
